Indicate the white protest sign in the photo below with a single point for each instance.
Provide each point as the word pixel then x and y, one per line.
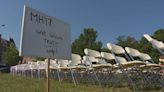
pixel 44 36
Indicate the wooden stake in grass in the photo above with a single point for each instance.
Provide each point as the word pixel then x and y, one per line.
pixel 48 79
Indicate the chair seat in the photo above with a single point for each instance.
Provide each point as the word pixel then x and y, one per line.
pixel 132 63
pixel 150 66
pixel 79 67
pixel 64 68
pixel 102 66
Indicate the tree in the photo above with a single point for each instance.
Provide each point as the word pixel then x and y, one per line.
pixel 128 42
pixel 87 39
pixel 11 55
pixel 159 35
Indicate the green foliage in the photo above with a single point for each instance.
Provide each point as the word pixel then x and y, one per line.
pixel 11 55
pixel 87 39
pixel 105 50
pixel 159 35
pixel 127 42
pixel 40 58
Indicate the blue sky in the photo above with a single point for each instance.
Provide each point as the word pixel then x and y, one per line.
pixel 110 18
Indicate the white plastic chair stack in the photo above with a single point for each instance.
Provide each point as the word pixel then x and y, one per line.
pixel 88 60
pixel 150 70
pixel 155 75
pixel 143 73
pixel 155 70
pixel 42 67
pixel 100 67
pixel 54 71
pixel 149 63
pixel 14 69
pixel 113 77
pixel 33 69
pixel 79 68
pixel 76 61
pixel 127 67
pixel 115 49
pixel 95 57
pixel 65 71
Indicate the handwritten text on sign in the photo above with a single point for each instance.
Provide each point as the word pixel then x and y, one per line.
pixel 44 36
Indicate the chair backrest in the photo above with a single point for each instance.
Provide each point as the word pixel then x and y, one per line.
pixel 41 62
pixel 107 56
pixel 32 64
pixel 132 52
pixel 115 48
pixel 145 56
pixel 52 61
pixel 76 59
pixel 149 38
pixel 121 60
pixel 91 59
pixel 157 44
pixel 86 60
pixel 63 63
pixel 93 53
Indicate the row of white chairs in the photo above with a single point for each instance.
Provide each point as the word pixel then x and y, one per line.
pixel 97 68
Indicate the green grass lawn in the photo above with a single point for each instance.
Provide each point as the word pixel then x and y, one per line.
pixel 10 83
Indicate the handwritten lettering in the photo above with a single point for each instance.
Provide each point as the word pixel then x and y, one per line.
pixel 40 19
pixel 52 51
pixel 51 42
pixel 56 36
pixel 41 32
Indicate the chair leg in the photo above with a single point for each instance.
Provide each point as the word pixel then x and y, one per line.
pixel 73 77
pixel 96 77
pixel 129 79
pixel 58 73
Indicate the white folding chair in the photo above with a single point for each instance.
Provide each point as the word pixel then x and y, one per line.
pixel 115 49
pixel 155 76
pixel 159 45
pixel 41 69
pixel 88 60
pixel 54 71
pixel 79 68
pixel 100 66
pixel 127 67
pixel 66 70
pixel 113 78
pixel 149 71
pixel 96 58
pixel 149 63
pixel 33 69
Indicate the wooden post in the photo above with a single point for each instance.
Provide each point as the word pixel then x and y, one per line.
pixel 47 75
